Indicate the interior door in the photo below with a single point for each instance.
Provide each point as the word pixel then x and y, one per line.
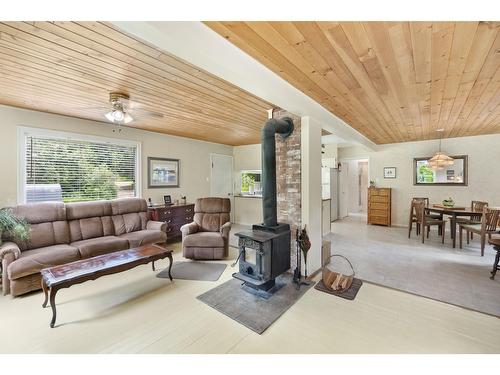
pixel 221 178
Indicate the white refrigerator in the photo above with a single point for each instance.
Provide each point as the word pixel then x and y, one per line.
pixel 334 194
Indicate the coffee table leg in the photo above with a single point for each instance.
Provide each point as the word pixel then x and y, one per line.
pixel 45 292
pixel 170 266
pixel 153 265
pixel 53 292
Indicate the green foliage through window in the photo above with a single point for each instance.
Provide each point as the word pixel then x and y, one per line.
pixel 424 174
pixel 84 170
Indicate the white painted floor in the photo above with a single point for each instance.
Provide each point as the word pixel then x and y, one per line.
pixel 135 312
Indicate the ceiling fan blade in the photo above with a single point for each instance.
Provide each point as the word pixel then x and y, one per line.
pixel 137 112
pixel 100 108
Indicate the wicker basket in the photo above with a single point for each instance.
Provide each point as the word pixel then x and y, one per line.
pixel 337 281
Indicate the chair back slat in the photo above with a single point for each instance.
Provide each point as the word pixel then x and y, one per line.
pixel 477 206
pixel 490 219
pixel 418 207
pixel 425 200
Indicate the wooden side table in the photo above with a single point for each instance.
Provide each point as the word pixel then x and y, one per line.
pixel 496 246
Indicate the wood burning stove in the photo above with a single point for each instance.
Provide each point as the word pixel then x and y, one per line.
pixel 264 251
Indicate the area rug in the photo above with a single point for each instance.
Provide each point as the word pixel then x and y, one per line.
pixel 349 294
pixel 386 256
pixel 195 271
pixel 250 310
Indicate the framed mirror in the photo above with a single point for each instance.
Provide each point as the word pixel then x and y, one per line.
pixel 455 174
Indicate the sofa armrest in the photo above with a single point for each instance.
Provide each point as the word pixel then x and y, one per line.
pixel 9 252
pixel 9 248
pixel 188 229
pixel 156 225
pixel 225 229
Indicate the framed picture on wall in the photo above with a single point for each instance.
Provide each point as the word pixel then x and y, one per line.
pixel 389 172
pixel 163 173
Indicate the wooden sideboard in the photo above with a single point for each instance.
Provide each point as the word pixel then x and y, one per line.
pixel 174 216
pixel 379 206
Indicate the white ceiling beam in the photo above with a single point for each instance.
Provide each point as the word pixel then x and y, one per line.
pixel 201 46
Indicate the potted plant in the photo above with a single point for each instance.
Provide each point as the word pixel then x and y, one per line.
pixel 448 202
pixel 13 227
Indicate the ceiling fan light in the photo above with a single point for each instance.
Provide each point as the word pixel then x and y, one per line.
pixel 109 116
pixel 127 118
pixel 118 115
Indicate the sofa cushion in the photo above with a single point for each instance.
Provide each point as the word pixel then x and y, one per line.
pixel 129 215
pixel 101 245
pixel 89 220
pixel 43 212
pixel 82 210
pixel 32 261
pixel 204 239
pixel 47 234
pixel 144 237
pixel 48 225
pixel 128 205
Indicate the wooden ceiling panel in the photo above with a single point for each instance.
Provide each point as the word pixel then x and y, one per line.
pixel 391 81
pixel 71 67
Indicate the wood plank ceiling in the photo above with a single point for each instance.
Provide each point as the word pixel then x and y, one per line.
pixel 391 81
pixel 69 68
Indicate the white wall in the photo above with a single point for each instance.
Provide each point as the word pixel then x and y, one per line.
pixel 311 189
pixel 484 178
pixel 247 211
pixel 194 155
pixel 330 151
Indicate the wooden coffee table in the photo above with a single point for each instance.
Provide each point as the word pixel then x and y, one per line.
pixel 66 275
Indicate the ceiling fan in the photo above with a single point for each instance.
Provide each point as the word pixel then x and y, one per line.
pixel 121 110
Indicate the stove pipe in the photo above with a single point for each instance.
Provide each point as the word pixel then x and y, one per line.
pixel 283 127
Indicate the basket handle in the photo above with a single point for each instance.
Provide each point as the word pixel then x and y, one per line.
pixel 341 256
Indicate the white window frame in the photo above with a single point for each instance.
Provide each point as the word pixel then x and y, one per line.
pixel 25 131
pixel 254 171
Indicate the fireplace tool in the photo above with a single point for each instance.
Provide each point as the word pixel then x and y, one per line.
pixel 302 243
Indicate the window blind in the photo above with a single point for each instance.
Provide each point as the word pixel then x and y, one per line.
pixel 72 170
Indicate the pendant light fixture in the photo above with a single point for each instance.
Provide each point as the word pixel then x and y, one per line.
pixel 440 160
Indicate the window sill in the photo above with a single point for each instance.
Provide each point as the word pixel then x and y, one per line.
pixel 248 196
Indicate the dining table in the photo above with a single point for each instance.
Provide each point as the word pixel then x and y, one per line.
pixel 454 212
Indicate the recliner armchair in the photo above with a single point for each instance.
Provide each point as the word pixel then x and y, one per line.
pixel 207 237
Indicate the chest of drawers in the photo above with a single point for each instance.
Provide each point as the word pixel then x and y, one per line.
pixel 379 206
pixel 174 216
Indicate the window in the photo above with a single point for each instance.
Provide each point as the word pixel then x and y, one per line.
pixel 70 167
pixel 250 183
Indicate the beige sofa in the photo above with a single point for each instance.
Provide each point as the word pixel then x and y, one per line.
pixel 63 233
pixel 207 237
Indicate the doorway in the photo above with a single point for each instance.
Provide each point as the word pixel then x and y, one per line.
pixel 353 185
pixel 221 177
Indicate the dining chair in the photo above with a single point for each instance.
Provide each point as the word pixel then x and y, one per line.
pixel 413 216
pixel 487 226
pixel 495 242
pixel 425 221
pixel 475 206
